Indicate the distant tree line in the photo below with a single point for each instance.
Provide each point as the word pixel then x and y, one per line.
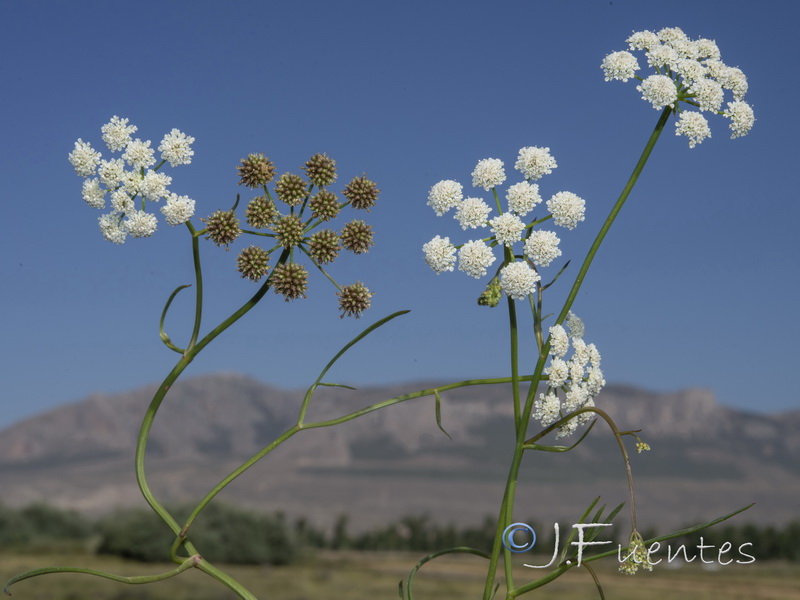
pixel 236 535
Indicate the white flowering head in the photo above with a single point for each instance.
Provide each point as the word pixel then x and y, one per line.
pixel 440 254
pixel 534 162
pixel 488 173
pixel 688 74
pixel 474 258
pixel 518 280
pixel 445 195
pixel 129 179
pixel 578 377
pixel 567 209
pixel 473 213
pixel 514 226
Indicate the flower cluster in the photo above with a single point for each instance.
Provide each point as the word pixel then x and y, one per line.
pixel 518 273
pixel 689 71
pixel 579 378
pixel 131 177
pixel 294 216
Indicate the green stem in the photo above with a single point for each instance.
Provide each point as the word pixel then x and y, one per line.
pixel 511 483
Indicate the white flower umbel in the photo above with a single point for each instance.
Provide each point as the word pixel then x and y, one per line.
pixel 620 65
pixel 488 173
pixel 154 185
pixel 507 228
pixel 694 126
pixel 176 148
pixel 557 373
pixel 178 209
pixel 84 158
pixel 542 247
pixel 535 162
pixel 567 209
pixel 440 254
pixel 445 195
pixel 139 154
pixel 559 341
pixel 742 118
pixel 111 172
pixel 659 90
pixel 93 194
pixel 121 201
pixel 117 133
pixel 523 197
pixel 472 212
pixel 575 325
pixel 111 227
pixel 692 72
pixel 518 280
pixel 546 409
pixel 140 224
pixel 474 258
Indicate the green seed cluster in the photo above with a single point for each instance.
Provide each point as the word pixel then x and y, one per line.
pixel 255 171
pixel 222 227
pixel 261 212
pixel 362 193
pixel 253 263
pixel 320 170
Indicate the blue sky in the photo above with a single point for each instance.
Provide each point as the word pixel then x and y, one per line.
pixel 694 286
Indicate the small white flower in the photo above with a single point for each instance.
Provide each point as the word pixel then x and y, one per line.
pixel 732 78
pixel 444 196
pixel 178 209
pixel 567 209
pixel 642 40
pixel 117 133
pixel 576 326
pixel 522 197
pixel 440 254
pixel 580 351
pixel 705 48
pixel 534 162
pixel 708 94
pixel 111 228
pixel 488 173
pixel 121 202
pixel 672 34
pixel 659 90
pixel 663 57
pixel 620 66
pixel 575 370
pixel 690 70
pixel 154 185
pixel 474 258
pixel 594 356
pixel 559 341
pixel 741 116
pixel 131 183
pixel 93 194
pixel 472 212
pixel 111 172
pixel 567 429
pixel 694 126
pixel 546 408
pixel 84 158
pixel 542 247
pixel 507 228
pixel 176 148
pixel 576 397
pixel 139 154
pixel 557 373
pixel 518 280
pixel 140 224
pixel 594 381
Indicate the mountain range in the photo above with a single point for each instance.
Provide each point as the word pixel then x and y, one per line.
pixel 706 459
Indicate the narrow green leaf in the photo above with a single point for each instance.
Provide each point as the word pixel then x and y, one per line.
pixel 439 413
pixel 162 334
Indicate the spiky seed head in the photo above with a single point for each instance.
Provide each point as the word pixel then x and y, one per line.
pixel 362 193
pixel 324 246
pixel 252 263
pixel 320 170
pixel 288 231
pixel 291 189
pixel 492 295
pixel 354 300
pixel 260 212
pixel 255 171
pixel 290 280
pixel 356 237
pixel 222 227
pixel 324 205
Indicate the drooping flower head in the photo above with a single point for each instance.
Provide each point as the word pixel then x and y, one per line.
pixel 689 74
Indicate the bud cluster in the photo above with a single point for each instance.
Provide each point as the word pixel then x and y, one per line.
pixel 292 215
